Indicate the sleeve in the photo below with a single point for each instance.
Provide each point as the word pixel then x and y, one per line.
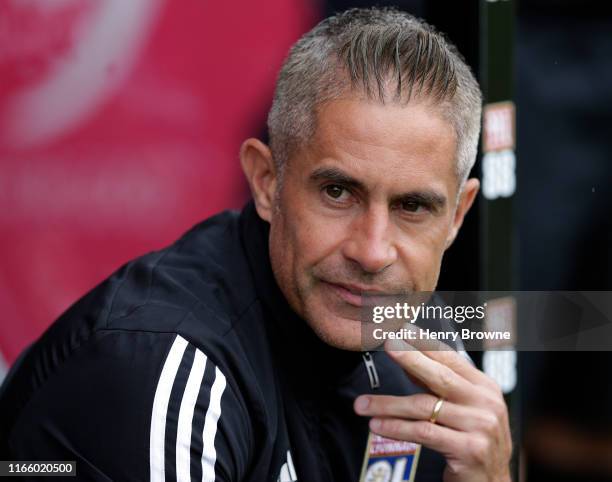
pixel 137 406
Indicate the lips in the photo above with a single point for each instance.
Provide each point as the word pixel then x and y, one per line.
pixel 347 295
pixel 350 293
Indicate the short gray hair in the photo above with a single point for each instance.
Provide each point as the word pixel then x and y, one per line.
pixel 373 50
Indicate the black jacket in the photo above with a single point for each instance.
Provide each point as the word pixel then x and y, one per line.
pixel 188 364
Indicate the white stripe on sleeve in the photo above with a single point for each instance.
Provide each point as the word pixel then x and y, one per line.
pixel 209 455
pixel 185 419
pixel 160 409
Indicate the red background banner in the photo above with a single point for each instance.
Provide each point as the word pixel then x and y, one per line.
pixel 120 125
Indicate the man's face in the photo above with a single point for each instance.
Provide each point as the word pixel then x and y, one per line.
pixel 367 205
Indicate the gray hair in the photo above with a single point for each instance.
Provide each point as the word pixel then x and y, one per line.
pixel 375 51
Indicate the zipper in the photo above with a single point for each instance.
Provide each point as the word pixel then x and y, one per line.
pixel 371 370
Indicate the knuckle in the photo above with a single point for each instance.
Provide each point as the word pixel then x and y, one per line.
pixel 497 389
pixel 489 423
pixel 479 450
pixel 499 409
pixel 491 385
pixel 447 380
pixel 496 405
pixel 424 431
pixel 424 405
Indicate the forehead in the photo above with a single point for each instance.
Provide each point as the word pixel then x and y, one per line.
pixel 385 143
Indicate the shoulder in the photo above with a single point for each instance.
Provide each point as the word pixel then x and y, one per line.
pixel 147 361
pixel 205 273
pixel 128 404
pixel 199 286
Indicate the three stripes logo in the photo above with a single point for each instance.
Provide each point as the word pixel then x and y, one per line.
pixel 186 410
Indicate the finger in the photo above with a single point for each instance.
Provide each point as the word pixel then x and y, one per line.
pixel 439 378
pixel 462 366
pixel 447 441
pixel 420 407
pixel 457 362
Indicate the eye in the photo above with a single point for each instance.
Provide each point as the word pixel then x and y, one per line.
pixel 335 192
pixel 411 206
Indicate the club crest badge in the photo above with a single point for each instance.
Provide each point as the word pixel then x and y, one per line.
pixel 388 460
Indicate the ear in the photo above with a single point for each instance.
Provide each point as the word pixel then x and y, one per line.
pixel 466 199
pixel 260 171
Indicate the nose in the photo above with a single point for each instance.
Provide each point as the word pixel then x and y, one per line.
pixel 370 243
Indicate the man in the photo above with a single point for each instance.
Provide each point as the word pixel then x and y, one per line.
pixel 234 354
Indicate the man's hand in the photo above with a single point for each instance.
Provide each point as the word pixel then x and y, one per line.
pixel 471 429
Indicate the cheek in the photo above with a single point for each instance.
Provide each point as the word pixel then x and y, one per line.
pixel 298 242
pixel 317 238
pixel 424 248
pixel 313 232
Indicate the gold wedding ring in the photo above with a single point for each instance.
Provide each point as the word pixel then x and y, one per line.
pixel 436 410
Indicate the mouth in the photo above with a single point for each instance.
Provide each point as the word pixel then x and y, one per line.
pixel 350 293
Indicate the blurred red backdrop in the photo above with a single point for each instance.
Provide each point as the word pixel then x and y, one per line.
pixel 120 124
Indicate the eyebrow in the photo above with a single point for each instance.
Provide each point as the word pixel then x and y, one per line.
pixel 429 198
pixel 333 174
